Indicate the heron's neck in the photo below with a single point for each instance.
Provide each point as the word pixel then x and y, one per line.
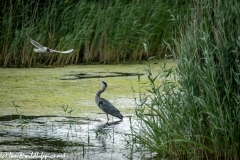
pixel 100 91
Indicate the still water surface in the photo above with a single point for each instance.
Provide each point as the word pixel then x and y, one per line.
pixel 66 138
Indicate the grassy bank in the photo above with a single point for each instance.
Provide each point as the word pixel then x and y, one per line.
pixel 99 31
pixel 196 115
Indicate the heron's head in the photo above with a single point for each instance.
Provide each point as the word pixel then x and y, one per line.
pixel 104 83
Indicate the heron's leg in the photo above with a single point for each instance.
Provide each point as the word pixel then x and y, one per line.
pixel 107 117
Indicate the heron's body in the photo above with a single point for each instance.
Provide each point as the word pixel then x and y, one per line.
pixel 105 105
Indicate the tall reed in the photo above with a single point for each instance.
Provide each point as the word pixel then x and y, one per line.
pixel 196 115
pixel 99 31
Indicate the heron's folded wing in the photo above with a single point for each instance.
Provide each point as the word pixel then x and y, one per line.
pixel 107 107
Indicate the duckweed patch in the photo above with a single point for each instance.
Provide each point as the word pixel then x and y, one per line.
pixel 40 91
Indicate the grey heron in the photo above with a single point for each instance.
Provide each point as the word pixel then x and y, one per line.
pixel 105 105
pixel 41 49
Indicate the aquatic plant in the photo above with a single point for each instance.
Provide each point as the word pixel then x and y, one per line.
pixel 72 129
pixel 192 111
pixel 22 122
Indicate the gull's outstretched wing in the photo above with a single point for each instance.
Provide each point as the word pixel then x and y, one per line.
pixel 45 49
pixel 36 44
pixel 68 51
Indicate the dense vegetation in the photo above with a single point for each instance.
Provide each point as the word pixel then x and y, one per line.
pixel 99 31
pixel 193 112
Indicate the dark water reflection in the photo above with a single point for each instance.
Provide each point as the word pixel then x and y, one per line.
pixel 79 75
pixel 65 137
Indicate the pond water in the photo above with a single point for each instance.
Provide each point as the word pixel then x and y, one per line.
pixel 39 137
pixel 38 128
pixel 34 126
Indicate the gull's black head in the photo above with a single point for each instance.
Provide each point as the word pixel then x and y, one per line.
pixel 104 83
